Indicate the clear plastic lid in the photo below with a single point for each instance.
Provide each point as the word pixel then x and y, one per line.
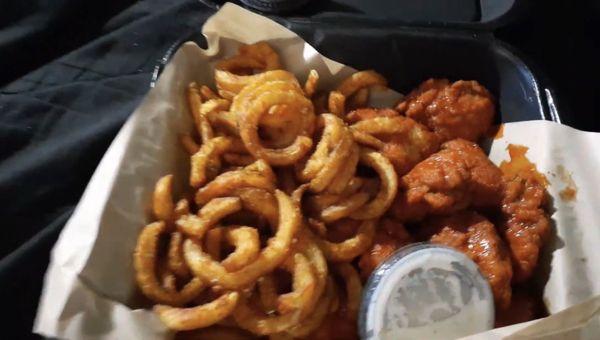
pixel 426 291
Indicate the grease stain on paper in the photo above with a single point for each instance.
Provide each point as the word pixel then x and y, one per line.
pixel 569 192
pixel 519 165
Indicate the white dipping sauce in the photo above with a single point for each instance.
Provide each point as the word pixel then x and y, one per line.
pixel 426 292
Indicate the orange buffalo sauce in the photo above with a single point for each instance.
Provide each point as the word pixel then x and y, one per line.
pixel 519 165
pixel 569 193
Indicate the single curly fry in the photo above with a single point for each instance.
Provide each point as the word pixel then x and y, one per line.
pixel 145 259
pixel 387 190
pixel 200 316
pixel 247 247
pixel 240 64
pixel 310 86
pixel 366 139
pixel 350 248
pixel 207 108
pixel 342 180
pixel 256 175
pixel 208 93
pixel 333 131
pixel 189 144
pixel 260 202
pixel 334 164
pixel 276 251
pixel 353 288
pixel 344 208
pixel 333 160
pixel 209 215
pixel 181 208
pixel 206 162
pixel 195 104
pixel 337 103
pixel 303 285
pixel 262 52
pixel 175 261
pixel 212 243
pixel 316 318
pixel 194 99
pixel 259 323
pixel 309 248
pixel 230 84
pixel 255 100
pixel 162 199
pixel 224 122
pixel 360 80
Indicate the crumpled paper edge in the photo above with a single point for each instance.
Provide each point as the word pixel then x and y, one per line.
pixel 581 322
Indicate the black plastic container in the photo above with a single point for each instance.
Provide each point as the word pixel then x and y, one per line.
pixel 449 45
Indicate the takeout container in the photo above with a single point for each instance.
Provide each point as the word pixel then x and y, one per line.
pixel 89 290
pixel 436 44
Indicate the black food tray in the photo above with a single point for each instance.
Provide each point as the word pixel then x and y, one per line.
pixel 407 56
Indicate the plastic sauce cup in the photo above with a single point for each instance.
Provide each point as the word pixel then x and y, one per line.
pixel 426 291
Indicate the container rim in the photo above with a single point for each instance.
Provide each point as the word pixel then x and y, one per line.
pixel 551 108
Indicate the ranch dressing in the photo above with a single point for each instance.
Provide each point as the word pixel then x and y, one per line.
pixel 426 291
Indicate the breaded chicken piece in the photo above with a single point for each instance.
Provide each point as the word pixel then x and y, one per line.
pixel 402 140
pixel 527 224
pixel 463 109
pixel 475 236
pixel 458 176
pixel 391 235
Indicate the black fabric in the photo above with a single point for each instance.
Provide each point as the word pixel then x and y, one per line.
pixel 73 71
pixel 57 121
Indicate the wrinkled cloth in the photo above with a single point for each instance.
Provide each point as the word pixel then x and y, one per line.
pixel 57 121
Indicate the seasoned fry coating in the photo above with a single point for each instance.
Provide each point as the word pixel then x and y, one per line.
pixel 361 80
pixel 336 103
pixel 463 109
pixel 312 81
pixel 476 237
pixel 263 52
pixel 162 200
pixel 144 261
pixel 346 249
pixel 458 176
pixel 255 100
pixel 199 316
